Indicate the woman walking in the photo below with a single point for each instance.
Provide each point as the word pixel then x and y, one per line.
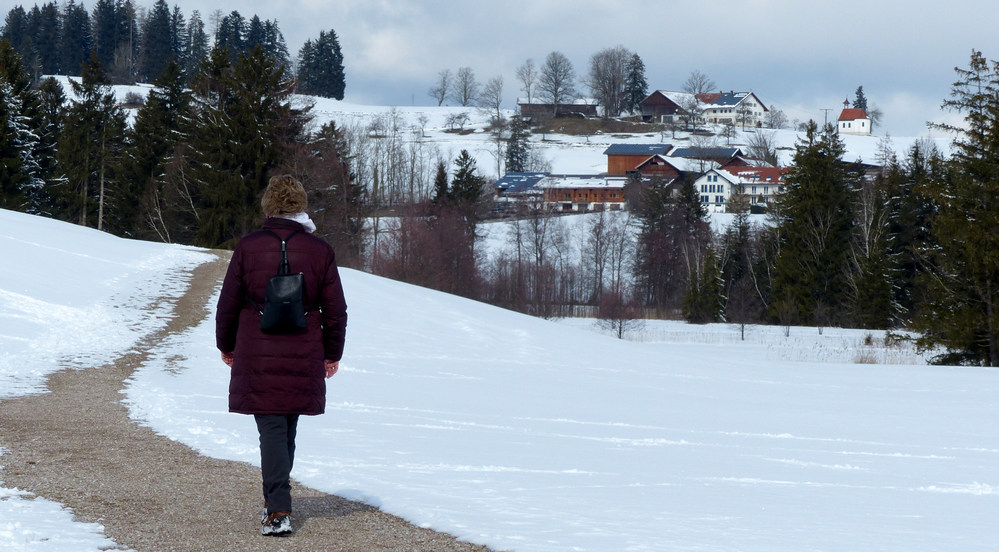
pixel 277 377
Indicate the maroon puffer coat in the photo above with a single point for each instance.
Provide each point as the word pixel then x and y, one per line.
pixel 280 374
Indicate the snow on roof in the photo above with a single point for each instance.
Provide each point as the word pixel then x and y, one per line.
pixel 852 114
pixel 706 153
pixel 582 181
pixel 637 149
pixel 519 182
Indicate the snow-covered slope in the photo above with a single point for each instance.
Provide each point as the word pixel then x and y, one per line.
pixel 530 435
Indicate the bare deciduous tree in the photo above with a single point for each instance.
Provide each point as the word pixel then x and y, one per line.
pixel 492 97
pixel 608 76
pixel 556 81
pixel 466 89
pixel 527 75
pixel 762 146
pixel 698 83
pixel 442 87
pixel 775 118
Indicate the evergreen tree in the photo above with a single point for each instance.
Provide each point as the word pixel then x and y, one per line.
pixel 178 36
pixel 859 100
pixel 635 87
pixel 673 236
pixel 157 42
pixel 231 35
pixel 75 42
pixel 90 149
pixel 51 99
pixel 15 31
pixel 159 129
pixel 43 26
pixel 466 186
pixel 243 121
pixel 440 192
pixel 197 46
pixel 518 146
pixel 320 67
pixel 254 33
pixel 704 302
pixel 275 45
pixel 110 30
pixel 20 147
pixel 962 285
pixel 815 222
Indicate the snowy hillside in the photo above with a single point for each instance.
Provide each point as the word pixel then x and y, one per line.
pixel 567 154
pixel 529 435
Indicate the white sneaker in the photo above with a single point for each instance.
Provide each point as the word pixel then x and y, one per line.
pixel 276 524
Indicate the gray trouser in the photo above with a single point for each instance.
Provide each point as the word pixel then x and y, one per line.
pixel 277 455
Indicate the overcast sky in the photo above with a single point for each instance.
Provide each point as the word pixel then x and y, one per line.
pixel 801 56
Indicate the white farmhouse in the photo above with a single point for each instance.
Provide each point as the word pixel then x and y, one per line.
pixel 760 184
pixel 738 108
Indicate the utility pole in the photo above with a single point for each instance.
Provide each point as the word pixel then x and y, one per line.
pixel 825 120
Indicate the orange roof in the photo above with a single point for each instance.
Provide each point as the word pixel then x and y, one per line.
pixel 852 114
pixel 709 97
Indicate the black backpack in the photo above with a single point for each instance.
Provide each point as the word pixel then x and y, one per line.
pixel 284 300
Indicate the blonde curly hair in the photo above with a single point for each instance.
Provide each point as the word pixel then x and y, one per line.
pixel 284 195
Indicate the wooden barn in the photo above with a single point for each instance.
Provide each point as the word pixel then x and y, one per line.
pixel 625 158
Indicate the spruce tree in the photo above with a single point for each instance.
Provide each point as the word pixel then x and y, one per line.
pixel 243 121
pixel 962 284
pixel 75 42
pixel 197 45
pixel 161 125
pixel 859 100
pixel 635 87
pixel 157 44
pixel 320 67
pixel 20 147
pixel 814 223
pixel 90 149
pixel 674 233
pixel 51 99
pixel 466 186
pixel 231 35
pixel 440 191
pixel 518 146
pixel 704 302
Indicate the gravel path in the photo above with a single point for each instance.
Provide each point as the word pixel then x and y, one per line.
pixel 76 445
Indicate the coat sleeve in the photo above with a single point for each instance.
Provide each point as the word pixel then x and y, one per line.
pixel 231 302
pixel 334 310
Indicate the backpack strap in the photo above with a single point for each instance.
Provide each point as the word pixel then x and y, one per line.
pixel 284 268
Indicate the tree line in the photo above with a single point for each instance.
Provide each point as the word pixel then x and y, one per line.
pixel 616 78
pixel 135 44
pixel 911 247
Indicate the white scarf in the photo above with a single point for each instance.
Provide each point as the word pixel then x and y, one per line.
pixel 303 219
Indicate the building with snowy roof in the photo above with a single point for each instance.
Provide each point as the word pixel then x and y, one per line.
pixel 580 193
pixel 854 120
pixel 759 185
pixel 736 108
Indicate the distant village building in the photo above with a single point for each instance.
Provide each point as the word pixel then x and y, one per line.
pixel 759 184
pixel 539 113
pixel 740 108
pixel 737 108
pixel 854 120
pixel 625 158
pixel 580 193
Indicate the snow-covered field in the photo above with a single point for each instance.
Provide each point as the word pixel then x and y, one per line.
pixel 529 435
pixel 567 154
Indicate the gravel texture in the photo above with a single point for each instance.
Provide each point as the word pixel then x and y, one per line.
pixel 76 445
